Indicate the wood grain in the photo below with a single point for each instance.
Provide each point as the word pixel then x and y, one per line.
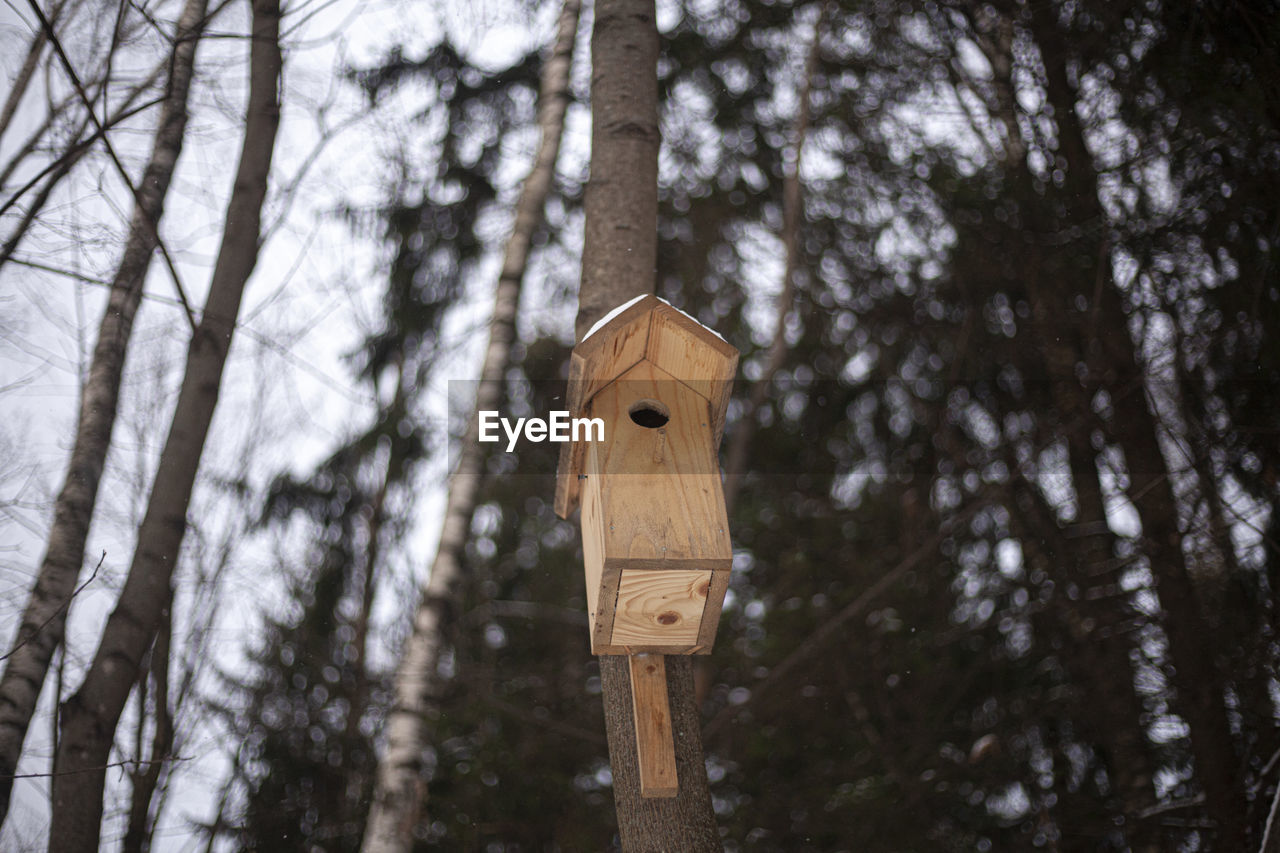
pixel 647 514
pixel 697 357
pixel 711 615
pixel 655 746
pixel 655 534
pixel 600 596
pixel 659 608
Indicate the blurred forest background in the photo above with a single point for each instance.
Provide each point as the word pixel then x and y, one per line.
pixel 1003 458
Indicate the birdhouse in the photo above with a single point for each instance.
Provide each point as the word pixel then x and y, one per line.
pixel 655 536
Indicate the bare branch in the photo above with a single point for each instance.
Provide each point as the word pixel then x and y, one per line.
pixel 130 763
pixel 115 158
pixel 27 638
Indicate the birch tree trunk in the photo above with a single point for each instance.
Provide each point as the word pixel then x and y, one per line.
pixel 44 619
pixel 400 787
pixel 619 253
pixel 91 715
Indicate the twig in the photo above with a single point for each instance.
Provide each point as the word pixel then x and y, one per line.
pixel 73 154
pixel 280 350
pixel 1271 762
pixel 154 227
pixel 1161 808
pixel 129 763
pixel 55 613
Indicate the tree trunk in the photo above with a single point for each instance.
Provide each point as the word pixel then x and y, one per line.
pixel 792 214
pixel 145 778
pixel 91 715
pixel 1092 629
pixel 44 619
pixel 1111 355
pixel 1063 337
pixel 618 258
pixel 400 786
pixel 620 239
pixel 377 517
pixel 685 822
pixel 26 72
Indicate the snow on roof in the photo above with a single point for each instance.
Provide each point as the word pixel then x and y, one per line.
pixel 603 321
pixel 694 319
pixel 614 313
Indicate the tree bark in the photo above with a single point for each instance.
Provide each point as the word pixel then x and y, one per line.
pixel 400 787
pixel 90 716
pixel 43 622
pixel 685 822
pixel 619 253
pixel 620 239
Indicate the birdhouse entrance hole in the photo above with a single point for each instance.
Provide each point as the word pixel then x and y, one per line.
pixel 649 414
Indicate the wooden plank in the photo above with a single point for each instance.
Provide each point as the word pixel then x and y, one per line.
pixel 659 608
pixel 649 648
pixel 697 357
pixel 602 630
pixel 596 362
pixel 598 596
pixel 711 615
pixel 611 352
pixel 655 746
pixel 572 456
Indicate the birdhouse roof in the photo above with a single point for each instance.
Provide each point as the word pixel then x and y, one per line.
pixel 645 329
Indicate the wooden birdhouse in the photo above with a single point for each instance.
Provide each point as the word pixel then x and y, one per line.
pixel 655 536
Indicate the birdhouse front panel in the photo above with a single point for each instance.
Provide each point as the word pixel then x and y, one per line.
pixel 655 532
pixel 659 608
pixel 654 514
